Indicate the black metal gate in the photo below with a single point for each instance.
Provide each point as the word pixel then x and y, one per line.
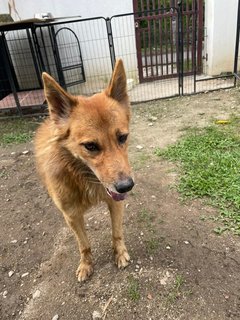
pixel 63 54
pixel 158 24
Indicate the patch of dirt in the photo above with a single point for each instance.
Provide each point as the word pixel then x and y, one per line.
pixel 179 268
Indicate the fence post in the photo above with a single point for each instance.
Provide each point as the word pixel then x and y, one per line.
pixel 235 70
pixel 57 58
pixel 37 49
pixel 180 47
pixel 6 62
pixel 110 42
pixel 195 52
pixel 38 74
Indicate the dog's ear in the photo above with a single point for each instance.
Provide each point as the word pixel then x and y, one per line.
pixel 60 103
pixel 117 88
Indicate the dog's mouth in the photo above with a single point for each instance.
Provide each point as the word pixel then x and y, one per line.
pixel 116 196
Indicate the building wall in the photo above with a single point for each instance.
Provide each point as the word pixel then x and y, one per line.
pixel 220 24
pixel 4 6
pixel 60 8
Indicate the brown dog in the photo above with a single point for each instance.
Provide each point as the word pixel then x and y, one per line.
pixel 81 156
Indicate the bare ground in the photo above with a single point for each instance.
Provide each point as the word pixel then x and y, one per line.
pixel 179 268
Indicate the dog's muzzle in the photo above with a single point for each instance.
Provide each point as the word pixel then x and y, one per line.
pixel 122 187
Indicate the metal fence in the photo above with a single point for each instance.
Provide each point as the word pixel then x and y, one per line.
pixel 236 56
pixel 161 50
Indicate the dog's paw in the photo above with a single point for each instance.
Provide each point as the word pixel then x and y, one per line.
pixel 84 271
pixel 122 259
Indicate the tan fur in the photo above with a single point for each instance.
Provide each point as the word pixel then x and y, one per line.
pixel 75 177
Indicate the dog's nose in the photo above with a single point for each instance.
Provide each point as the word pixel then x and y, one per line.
pixel 125 185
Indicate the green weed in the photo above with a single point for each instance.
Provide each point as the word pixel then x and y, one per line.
pixel 176 290
pixel 148 223
pixel 3 174
pixel 152 245
pixel 133 289
pixel 146 217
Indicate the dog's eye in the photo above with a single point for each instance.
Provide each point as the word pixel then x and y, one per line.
pixel 91 146
pixel 122 138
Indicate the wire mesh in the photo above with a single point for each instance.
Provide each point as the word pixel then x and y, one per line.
pixel 20 84
pixel 76 54
pixel 19 49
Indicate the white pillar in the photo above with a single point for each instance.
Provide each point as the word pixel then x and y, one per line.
pixel 221 24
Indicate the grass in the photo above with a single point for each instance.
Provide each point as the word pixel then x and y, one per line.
pixel 210 169
pixel 16 138
pixel 133 289
pixel 15 131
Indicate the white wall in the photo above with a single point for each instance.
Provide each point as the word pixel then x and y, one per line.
pixel 220 23
pixel 3 6
pixel 59 8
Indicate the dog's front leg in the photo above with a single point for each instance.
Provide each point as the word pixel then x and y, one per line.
pixel 76 222
pixel 120 250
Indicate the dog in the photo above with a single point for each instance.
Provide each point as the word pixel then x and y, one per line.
pixel 81 153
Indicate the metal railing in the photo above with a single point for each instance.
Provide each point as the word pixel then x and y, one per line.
pixel 161 50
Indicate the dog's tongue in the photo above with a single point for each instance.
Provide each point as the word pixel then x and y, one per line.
pixel 117 196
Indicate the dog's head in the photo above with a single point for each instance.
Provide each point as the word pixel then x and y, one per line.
pixel 95 129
